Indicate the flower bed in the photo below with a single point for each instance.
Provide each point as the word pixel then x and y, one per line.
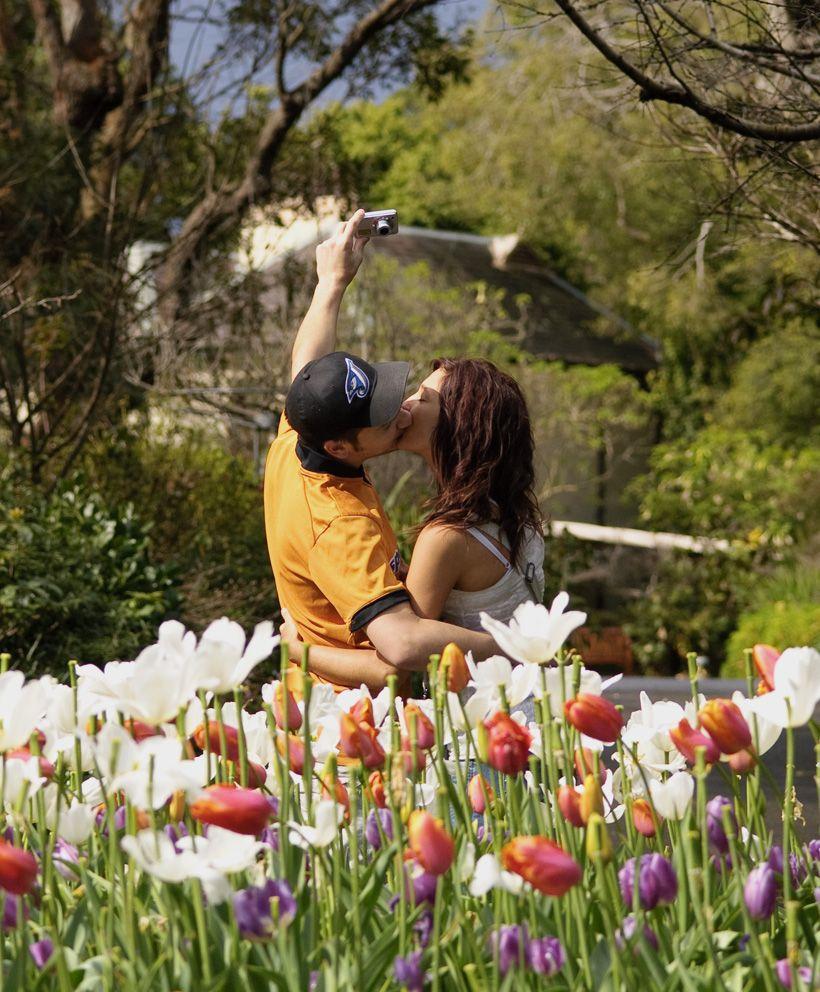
pixel 158 835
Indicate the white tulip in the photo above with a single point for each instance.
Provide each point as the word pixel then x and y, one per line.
pixel 327 817
pixel 765 734
pixel 223 661
pixel 490 875
pixel 76 823
pixel 535 634
pixel 22 705
pixel 673 797
pixel 796 690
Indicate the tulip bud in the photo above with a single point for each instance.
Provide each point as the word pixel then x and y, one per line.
pixel 642 818
pixel 765 658
pixel 686 739
pixel 476 791
pixel 245 811
pixel 657 881
pixel 592 799
pixel 139 730
pixel 725 724
pixel 214 740
pixel 18 869
pixel 332 788
pixel 585 764
pixel 714 823
pixel 257 776
pixel 413 758
pixel 376 787
pixel 544 864
pixel 292 749
pixel 743 762
pixel 508 744
pixel 429 842
pixel 598 843
pixel 760 892
pixel 283 698
pixel 569 803
pixel 419 726
pixel 453 667
pixel 362 711
pixel 176 808
pixel 594 716
pixel 359 740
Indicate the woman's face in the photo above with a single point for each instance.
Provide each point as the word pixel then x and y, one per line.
pixel 423 406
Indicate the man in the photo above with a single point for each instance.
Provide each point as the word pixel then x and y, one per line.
pixel 334 554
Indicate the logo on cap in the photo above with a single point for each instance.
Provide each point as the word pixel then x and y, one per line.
pixel 356 382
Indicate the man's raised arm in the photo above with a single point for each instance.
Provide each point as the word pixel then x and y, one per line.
pixel 337 262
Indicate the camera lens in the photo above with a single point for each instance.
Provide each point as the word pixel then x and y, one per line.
pixel 383 226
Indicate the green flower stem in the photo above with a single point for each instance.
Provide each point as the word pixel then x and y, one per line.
pixel 201 931
pixel 223 738
pixel 204 704
pixel 788 810
pixel 695 877
pixel 353 833
pixel 242 744
pixel 307 769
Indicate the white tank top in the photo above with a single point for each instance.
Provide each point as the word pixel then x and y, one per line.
pixel 512 589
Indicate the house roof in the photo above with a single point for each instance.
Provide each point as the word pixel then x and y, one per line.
pixel 564 324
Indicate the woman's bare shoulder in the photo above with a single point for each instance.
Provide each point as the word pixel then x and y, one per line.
pixel 442 537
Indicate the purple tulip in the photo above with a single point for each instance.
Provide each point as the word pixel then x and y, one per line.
pixel 625 935
pixel 11 911
pixel 760 892
pixel 423 927
pixel 784 973
pixel 252 908
pixel 41 951
pixel 424 887
pixel 64 856
pixel 509 943
pixel 545 955
pixel 721 863
pixel 408 971
pixel 371 828
pixel 270 836
pixel 813 850
pixel 714 823
pixel 797 868
pixel 657 881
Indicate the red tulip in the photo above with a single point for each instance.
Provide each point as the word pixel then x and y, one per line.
pixel 686 739
pixel 332 788
pixel 508 744
pixel 642 818
pixel 569 802
pixel 743 761
pixel 414 759
pixel 214 740
pixel 765 658
pixel 245 811
pixel 430 843
pixel 257 776
pixel 453 666
pixel 419 726
pixel 585 764
pixel 476 791
pixel 542 863
pixel 140 730
pixel 18 869
pixel 362 711
pixel 292 749
pixel 594 716
pixel 376 786
pixel 724 722
pixel 359 740
pixel 282 700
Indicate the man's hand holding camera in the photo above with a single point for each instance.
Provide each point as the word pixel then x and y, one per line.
pixel 338 259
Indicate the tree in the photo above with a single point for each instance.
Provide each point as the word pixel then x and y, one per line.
pixel 104 143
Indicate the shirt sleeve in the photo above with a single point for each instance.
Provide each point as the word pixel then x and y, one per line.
pixel 350 565
pixel 284 426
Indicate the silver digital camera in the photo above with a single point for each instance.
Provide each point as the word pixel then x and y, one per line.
pixel 378 224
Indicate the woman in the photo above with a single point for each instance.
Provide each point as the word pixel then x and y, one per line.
pixel 480 547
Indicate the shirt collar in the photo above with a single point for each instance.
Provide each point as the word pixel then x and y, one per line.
pixel 320 461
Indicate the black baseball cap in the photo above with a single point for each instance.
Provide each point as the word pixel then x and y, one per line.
pixel 341 392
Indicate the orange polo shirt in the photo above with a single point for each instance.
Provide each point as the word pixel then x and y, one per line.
pixel 334 555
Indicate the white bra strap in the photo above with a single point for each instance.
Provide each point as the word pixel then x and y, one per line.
pixel 482 538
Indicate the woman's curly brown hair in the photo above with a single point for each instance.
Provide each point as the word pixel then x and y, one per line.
pixel 483 452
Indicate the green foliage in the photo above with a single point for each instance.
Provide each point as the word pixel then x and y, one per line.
pixel 782 624
pixel 206 509
pixel 77 578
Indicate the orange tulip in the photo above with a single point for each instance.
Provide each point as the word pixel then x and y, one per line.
pixel 686 739
pixel 430 843
pixel 257 776
pixel 360 740
pixel 453 666
pixel 362 711
pixel 594 716
pixel 585 764
pixel 18 869
pixel 542 863
pixel 140 730
pixel 332 788
pixel 376 786
pixel 214 740
pixel 476 791
pixel 765 658
pixel 419 726
pixel 724 722
pixel 592 799
pixel 283 701
pixel 245 811
pixel 292 749
pixel 569 802
pixel 508 744
pixel 642 818
pixel 414 759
